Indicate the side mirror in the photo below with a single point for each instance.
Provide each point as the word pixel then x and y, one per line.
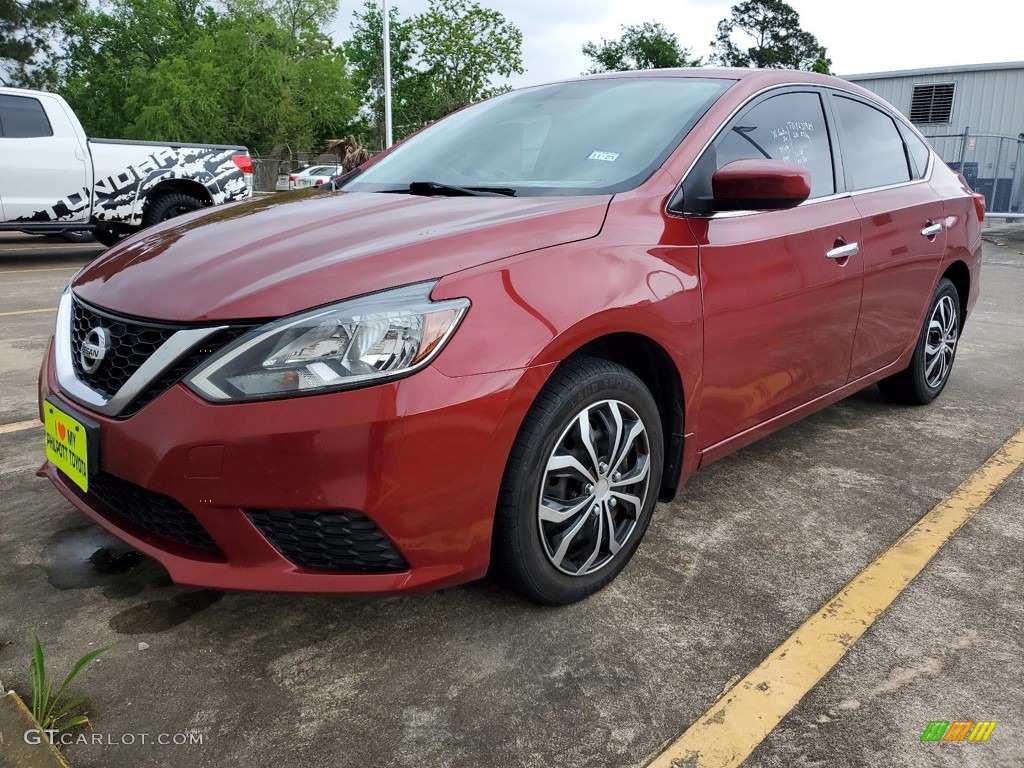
pixel 759 185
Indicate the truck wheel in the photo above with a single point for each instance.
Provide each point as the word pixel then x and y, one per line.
pixel 76 236
pixel 168 206
pixel 109 237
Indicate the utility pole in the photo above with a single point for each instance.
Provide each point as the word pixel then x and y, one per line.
pixel 388 133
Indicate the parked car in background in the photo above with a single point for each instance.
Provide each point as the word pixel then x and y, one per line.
pixel 507 338
pixel 315 175
pixel 53 179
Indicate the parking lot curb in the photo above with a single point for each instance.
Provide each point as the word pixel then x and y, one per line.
pixel 15 752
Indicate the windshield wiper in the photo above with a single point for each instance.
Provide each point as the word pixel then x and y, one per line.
pixel 428 188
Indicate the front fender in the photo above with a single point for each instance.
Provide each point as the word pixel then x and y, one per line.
pixel 539 308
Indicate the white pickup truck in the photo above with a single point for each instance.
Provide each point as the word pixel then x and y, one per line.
pixel 54 180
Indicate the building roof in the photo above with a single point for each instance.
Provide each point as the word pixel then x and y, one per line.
pixel 937 70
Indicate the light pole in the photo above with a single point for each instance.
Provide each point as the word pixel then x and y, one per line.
pixel 388 134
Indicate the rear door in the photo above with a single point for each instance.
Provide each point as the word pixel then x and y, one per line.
pixel 43 165
pixel 780 309
pixel 903 239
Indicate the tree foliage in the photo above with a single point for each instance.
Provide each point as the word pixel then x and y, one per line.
pixel 642 46
pixel 463 47
pixel 257 72
pixel 771 32
pixel 445 58
pixel 365 53
pixel 27 28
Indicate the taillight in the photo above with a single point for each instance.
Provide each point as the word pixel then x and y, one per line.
pixel 979 206
pixel 293 177
pixel 244 163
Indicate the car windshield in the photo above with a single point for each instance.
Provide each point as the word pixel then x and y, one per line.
pixel 585 137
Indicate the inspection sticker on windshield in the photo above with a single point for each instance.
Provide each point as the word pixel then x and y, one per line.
pixel 606 157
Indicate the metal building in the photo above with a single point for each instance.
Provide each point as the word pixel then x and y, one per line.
pixel 974 117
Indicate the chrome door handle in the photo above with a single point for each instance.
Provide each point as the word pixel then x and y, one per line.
pixel 843 251
pixel 932 230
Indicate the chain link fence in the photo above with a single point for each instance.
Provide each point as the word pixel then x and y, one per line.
pixel 992 165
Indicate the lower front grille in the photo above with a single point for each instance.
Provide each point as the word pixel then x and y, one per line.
pixel 332 541
pixel 153 512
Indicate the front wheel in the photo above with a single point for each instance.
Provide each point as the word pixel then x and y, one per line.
pixel 580 485
pixel 926 376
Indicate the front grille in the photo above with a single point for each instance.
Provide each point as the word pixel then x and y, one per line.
pixel 133 342
pixel 332 541
pixel 153 512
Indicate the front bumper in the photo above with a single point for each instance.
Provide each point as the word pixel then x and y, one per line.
pixel 422 458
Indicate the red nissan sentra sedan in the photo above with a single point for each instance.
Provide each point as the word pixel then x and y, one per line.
pixel 498 345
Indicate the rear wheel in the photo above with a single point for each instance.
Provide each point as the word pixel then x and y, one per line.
pixel 169 206
pixel 580 485
pixel 926 376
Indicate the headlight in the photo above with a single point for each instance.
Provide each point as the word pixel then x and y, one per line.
pixel 364 340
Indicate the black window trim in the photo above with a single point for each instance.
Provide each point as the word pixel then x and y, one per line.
pixel 675 207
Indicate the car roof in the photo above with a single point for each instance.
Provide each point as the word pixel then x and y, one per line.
pixel 750 80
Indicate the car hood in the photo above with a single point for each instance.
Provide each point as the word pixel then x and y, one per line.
pixel 283 253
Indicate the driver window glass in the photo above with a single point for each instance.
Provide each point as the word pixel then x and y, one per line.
pixel 790 127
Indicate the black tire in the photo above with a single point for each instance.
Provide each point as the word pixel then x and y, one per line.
pixel 109 237
pixel 920 383
pixel 75 236
pixel 168 206
pixel 521 553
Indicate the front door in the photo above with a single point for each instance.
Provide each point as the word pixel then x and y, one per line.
pixel 781 299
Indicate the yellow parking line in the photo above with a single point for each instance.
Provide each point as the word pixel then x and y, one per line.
pixel 38 269
pixel 725 735
pixel 19 426
pixel 28 311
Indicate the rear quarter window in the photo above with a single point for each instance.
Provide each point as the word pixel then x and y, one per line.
pixel 23 117
pixel 919 153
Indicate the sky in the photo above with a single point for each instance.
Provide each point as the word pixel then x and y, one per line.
pixel 860 35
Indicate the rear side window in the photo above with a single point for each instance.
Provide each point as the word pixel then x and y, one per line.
pixel 873 151
pixel 22 117
pixel 790 127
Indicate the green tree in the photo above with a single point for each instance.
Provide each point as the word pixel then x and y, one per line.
pixel 259 72
pixel 771 32
pixel 108 51
pixel 463 48
pixel 27 28
pixel 365 53
pixel 642 46
pixel 445 58
pixel 247 79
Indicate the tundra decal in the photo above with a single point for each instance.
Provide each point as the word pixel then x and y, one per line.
pixel 119 197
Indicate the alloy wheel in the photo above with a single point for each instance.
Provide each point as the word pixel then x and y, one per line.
pixel 940 345
pixel 594 487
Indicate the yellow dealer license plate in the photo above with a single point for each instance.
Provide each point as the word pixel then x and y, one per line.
pixel 67 444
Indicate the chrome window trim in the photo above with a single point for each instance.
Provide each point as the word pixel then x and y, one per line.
pixel 166 356
pixel 810 201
